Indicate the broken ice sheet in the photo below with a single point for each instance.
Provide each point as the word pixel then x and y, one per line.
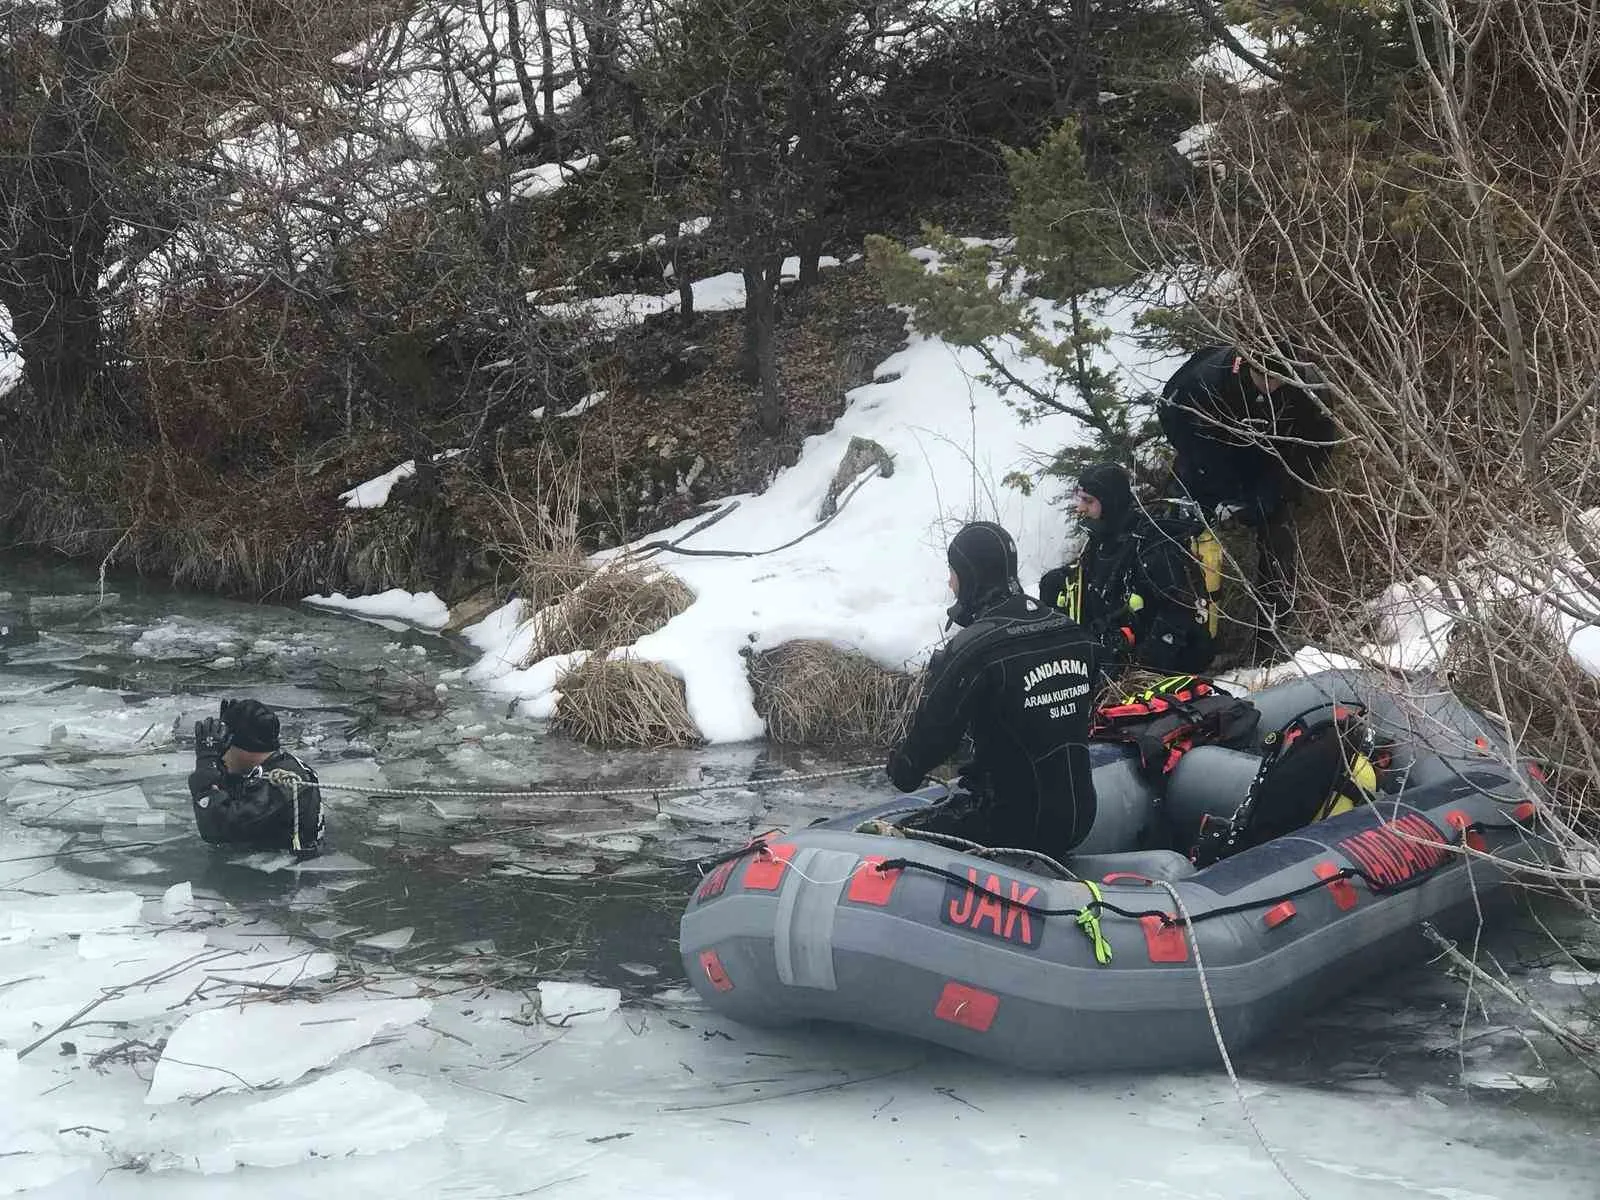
pixel 69 607
pixel 262 1045
pixel 572 1003
pixel 328 930
pixel 1570 978
pixel 1506 1081
pixel 395 939
pixel 30 1158
pixel 85 912
pixel 345 1113
pixel 270 862
pixel 177 899
pixel 483 849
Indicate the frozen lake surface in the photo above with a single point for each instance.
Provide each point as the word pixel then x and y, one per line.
pixel 472 997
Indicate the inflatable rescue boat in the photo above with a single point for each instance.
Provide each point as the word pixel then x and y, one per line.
pixel 1096 963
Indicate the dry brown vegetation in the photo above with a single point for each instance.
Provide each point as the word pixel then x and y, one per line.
pixel 614 606
pixel 624 702
pixel 813 693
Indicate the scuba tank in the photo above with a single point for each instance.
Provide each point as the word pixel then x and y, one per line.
pixel 1208 550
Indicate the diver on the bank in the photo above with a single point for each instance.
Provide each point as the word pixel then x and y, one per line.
pixel 247 790
pixel 1249 434
pixel 1021 679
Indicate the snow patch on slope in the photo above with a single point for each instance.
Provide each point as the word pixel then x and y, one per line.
pixel 874 580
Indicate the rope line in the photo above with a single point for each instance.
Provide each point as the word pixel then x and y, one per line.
pixel 294 783
pixel 1222 1046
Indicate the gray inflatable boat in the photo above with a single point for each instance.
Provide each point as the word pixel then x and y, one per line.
pixel 1011 960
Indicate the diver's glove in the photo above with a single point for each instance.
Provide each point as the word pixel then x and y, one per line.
pixel 210 740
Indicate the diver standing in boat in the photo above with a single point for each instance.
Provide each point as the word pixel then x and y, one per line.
pixel 1020 678
pixel 1135 586
pixel 247 790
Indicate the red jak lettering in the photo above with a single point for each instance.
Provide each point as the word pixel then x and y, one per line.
pixel 992 905
pixel 1394 852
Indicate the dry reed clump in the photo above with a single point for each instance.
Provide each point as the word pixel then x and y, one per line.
pixel 812 692
pixel 547 576
pixel 617 702
pixel 211 554
pixel 610 607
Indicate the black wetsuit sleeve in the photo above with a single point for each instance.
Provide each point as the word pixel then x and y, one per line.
pixel 1181 424
pixel 1178 414
pixel 940 719
pixel 1315 434
pixel 208 794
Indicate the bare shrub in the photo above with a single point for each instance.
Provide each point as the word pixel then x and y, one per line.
pixel 1509 663
pixel 624 702
pixel 614 606
pixel 1431 249
pixel 539 537
pixel 813 693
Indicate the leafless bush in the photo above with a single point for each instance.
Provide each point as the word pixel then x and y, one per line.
pixel 1438 264
pixel 624 702
pixel 813 693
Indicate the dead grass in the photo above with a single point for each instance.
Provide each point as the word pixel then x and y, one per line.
pixel 548 576
pixel 1516 666
pixel 617 702
pixel 610 607
pixel 212 552
pixel 813 693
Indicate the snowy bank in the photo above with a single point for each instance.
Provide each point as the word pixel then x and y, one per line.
pixel 374 493
pixel 423 609
pixel 10 361
pixel 873 580
pixel 717 293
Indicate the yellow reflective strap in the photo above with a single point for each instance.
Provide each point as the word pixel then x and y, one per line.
pixel 1072 594
pixel 1089 922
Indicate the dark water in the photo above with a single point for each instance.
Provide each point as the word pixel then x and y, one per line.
pixel 99 697
pixel 585 888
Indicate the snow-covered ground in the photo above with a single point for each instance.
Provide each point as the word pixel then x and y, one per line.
pixel 718 293
pixel 874 579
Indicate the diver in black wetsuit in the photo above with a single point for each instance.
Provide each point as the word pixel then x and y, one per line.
pixel 1020 678
pixel 239 785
